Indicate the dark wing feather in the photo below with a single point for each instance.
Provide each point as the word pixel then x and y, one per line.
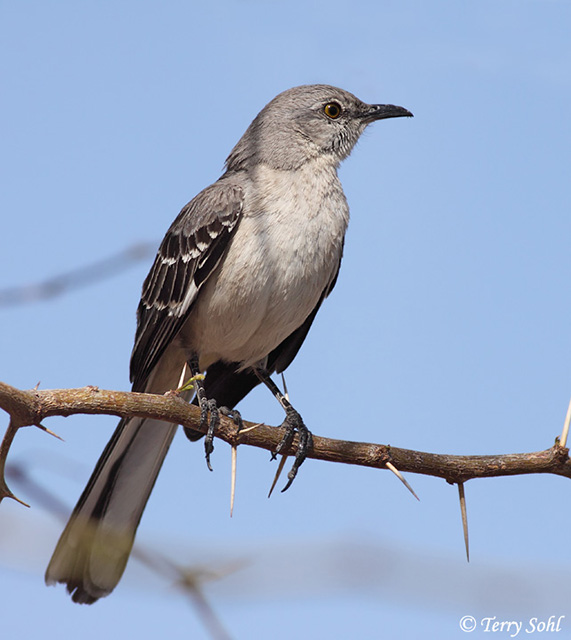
pixel 190 251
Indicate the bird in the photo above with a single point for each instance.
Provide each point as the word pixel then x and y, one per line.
pixel 233 291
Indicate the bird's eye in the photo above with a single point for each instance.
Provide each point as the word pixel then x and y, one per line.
pixel 332 110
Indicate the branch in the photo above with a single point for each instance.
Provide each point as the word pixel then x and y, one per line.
pixel 30 408
pixel 79 277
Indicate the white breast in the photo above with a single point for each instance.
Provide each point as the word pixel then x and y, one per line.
pixel 284 253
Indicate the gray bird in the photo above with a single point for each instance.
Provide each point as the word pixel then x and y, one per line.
pixel 235 286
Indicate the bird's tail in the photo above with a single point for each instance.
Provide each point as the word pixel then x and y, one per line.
pixel 93 549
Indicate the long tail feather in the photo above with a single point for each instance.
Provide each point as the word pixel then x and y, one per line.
pixel 93 550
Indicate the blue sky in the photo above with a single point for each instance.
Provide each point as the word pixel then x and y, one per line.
pixel 448 330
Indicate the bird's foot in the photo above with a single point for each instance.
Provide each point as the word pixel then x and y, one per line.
pixel 234 415
pixel 210 417
pixel 294 423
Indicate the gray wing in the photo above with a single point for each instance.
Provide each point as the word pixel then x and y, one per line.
pixel 190 251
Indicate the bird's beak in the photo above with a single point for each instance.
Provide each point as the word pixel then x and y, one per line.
pixel 382 111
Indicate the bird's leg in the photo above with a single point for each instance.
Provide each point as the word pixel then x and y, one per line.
pixel 206 407
pixel 209 406
pixel 293 422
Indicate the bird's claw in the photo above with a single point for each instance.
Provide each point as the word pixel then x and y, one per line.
pixel 207 408
pixel 294 423
pixel 210 408
pixel 234 415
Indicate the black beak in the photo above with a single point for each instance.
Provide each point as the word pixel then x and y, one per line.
pixel 382 111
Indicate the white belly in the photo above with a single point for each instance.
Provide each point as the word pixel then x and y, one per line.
pixel 284 254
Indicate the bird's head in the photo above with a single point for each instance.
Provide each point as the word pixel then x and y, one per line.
pixel 307 122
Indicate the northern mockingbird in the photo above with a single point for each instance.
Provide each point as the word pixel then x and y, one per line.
pixel 235 286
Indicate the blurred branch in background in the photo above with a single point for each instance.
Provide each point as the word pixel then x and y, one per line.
pixel 78 278
pixel 187 579
pixel 254 572
pixel 369 564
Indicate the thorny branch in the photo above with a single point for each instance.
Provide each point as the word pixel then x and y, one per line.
pixel 30 408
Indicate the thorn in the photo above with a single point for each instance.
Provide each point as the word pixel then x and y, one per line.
pixel 565 432
pixel 11 495
pixel 462 496
pixel 286 393
pixel 254 426
pixel 233 478
pixel 6 493
pixel 182 375
pixel 281 465
pixel 51 433
pixel 398 474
